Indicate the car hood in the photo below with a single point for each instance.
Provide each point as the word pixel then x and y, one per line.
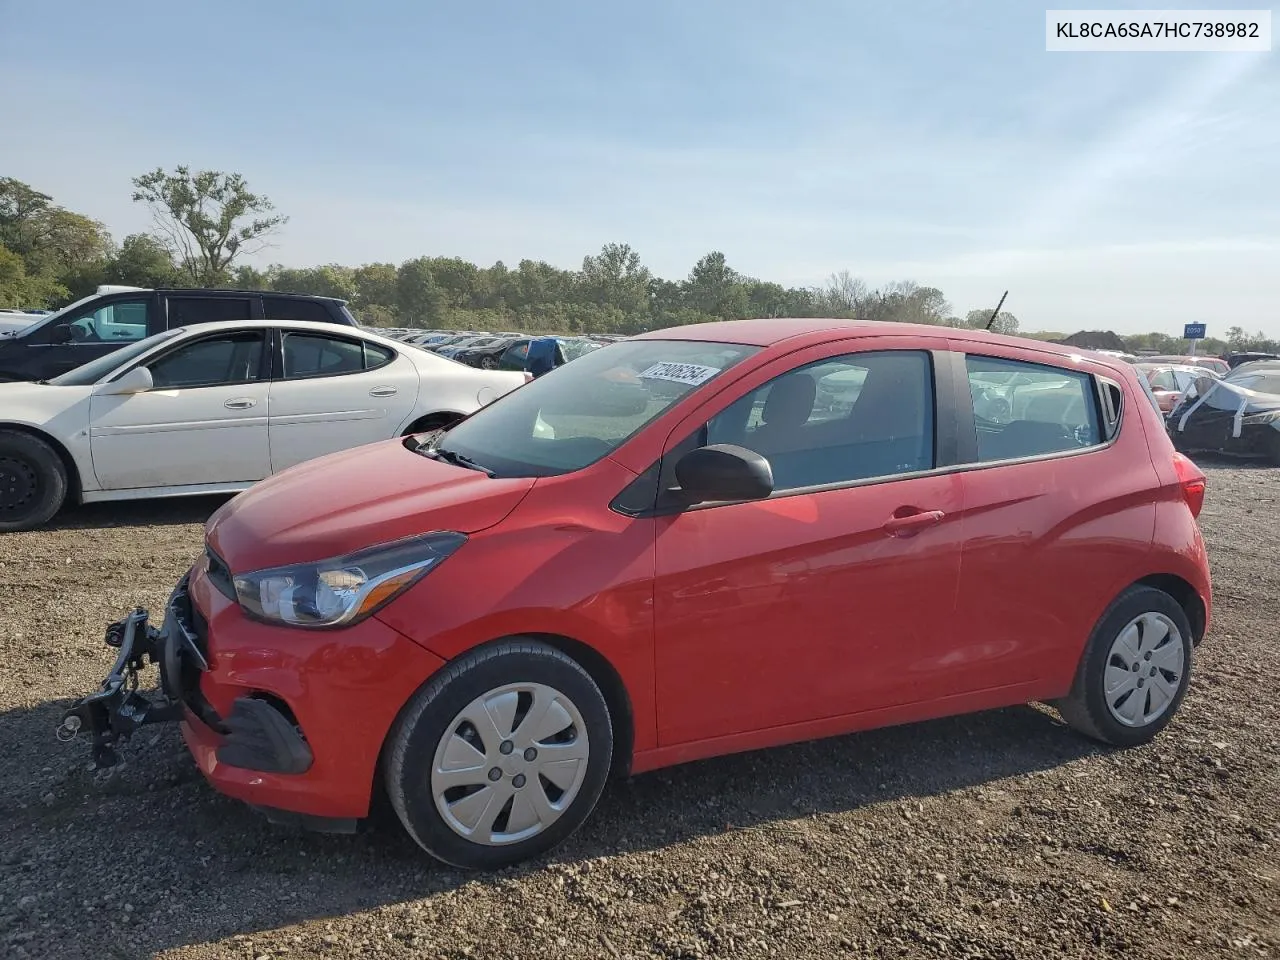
pixel 31 402
pixel 357 498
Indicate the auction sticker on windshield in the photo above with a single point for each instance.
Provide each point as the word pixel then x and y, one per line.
pixel 693 374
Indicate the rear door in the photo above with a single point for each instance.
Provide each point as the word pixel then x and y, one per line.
pixel 1059 513
pixel 204 422
pixel 331 392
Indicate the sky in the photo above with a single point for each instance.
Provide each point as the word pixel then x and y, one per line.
pixel 931 141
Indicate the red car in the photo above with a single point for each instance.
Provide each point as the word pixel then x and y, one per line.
pixel 702 540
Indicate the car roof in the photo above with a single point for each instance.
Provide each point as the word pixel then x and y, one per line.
pixel 334 328
pixel 227 292
pixel 771 331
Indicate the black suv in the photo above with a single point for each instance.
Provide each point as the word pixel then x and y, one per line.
pixel 116 316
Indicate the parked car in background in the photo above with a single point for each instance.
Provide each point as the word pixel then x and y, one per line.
pixel 467 343
pixel 216 407
pixel 1216 364
pixel 1169 381
pixel 590 577
pixel 116 316
pixel 1238 415
pixel 1235 359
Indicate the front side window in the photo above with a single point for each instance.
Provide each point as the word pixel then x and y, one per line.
pixel 586 410
pixel 855 417
pixel 1029 409
pixel 95 370
pixel 213 361
pixel 122 321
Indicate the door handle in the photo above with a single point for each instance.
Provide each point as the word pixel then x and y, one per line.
pixel 240 403
pixel 383 392
pixel 904 524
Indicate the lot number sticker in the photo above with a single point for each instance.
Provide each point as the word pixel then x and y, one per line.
pixel 693 374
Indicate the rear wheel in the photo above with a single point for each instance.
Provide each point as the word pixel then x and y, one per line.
pixel 1134 672
pixel 489 363
pixel 501 756
pixel 33 481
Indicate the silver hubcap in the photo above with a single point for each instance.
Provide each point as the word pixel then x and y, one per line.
pixel 510 763
pixel 1144 670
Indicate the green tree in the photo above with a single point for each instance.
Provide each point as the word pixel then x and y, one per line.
pixel 615 277
pixel 375 285
pixel 716 289
pixel 142 262
pixel 207 218
pixel 1005 322
pixel 330 280
pixel 420 300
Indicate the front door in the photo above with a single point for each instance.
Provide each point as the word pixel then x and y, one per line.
pixel 836 594
pixel 204 422
pixel 336 392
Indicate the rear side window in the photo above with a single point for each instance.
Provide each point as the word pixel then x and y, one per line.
pixel 184 311
pixel 286 308
pixel 312 355
pixel 1030 409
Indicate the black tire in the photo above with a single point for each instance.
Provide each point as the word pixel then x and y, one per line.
pixel 428 717
pixel 433 421
pixel 33 481
pixel 1085 708
pixel 489 363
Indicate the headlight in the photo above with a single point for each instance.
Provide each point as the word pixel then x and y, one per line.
pixel 345 590
pixel 1268 416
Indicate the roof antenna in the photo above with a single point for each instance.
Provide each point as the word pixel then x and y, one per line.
pixel 996 312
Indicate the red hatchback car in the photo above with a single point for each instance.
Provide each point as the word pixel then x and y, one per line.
pixel 703 540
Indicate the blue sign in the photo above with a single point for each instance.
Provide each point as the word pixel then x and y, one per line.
pixel 1193 331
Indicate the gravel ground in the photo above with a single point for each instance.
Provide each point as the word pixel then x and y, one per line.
pixel 998 835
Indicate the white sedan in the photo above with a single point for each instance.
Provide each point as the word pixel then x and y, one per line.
pixel 216 407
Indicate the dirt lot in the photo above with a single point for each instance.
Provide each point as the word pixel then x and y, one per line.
pixel 999 835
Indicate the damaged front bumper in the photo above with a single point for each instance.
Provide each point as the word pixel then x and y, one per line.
pixel 118 709
pixel 254 736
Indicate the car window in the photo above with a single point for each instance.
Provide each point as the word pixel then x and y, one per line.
pixel 587 409
pixel 184 311
pixel 1163 380
pixel 1044 410
pixel 123 321
pixel 314 355
pixel 287 308
pixel 853 417
pixel 376 356
pixel 228 358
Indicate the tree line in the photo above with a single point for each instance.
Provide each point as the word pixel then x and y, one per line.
pixel 205 223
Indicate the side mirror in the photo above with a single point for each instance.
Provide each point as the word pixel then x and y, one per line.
pixel 137 380
pixel 723 471
pixel 61 334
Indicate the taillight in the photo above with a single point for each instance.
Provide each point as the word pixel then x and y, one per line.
pixel 1192 480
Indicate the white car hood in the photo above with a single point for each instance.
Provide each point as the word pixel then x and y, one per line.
pixel 39 403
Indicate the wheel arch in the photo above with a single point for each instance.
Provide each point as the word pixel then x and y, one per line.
pixel 1185 595
pixel 75 487
pixel 598 667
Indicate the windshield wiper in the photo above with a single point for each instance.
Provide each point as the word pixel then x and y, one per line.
pixel 457 459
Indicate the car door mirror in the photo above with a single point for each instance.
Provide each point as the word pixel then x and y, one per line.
pixel 137 380
pixel 723 471
pixel 61 334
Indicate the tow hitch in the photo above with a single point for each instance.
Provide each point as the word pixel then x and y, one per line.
pixel 117 709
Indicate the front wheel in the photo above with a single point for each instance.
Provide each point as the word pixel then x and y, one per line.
pixel 489 363
pixel 1134 672
pixel 500 757
pixel 33 481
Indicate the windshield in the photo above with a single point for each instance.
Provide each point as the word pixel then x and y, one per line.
pixel 583 411
pixel 95 370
